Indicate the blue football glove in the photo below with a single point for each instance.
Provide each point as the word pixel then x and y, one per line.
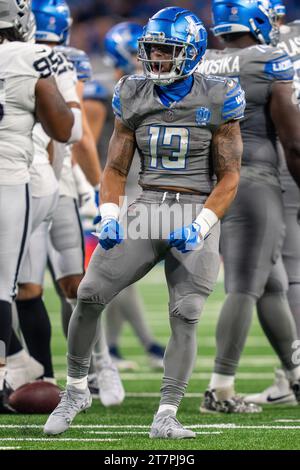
pixel 110 234
pixel 187 238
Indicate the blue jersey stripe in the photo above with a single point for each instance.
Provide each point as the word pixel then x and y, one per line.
pixel 234 104
pixel 116 102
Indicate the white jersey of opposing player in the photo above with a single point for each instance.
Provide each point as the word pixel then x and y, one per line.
pixel 66 82
pixel 43 176
pixel 21 66
pixel 67 185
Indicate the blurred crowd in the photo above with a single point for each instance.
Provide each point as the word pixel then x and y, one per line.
pixel 93 18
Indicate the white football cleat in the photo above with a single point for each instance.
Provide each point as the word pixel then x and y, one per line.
pixel 280 393
pixel 167 426
pixel 111 390
pixel 212 403
pixel 25 372
pixel 73 401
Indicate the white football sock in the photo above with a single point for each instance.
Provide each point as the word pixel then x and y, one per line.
pixel 172 408
pixel 18 360
pixel 221 381
pixel 81 384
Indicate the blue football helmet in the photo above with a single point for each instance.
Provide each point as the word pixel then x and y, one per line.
pixel 53 20
pixel 186 37
pixel 80 60
pixel 238 16
pixel 279 7
pixel 121 45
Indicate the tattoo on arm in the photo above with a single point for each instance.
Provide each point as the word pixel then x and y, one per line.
pixel 121 149
pixel 227 148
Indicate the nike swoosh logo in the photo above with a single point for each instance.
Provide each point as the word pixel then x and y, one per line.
pixel 271 399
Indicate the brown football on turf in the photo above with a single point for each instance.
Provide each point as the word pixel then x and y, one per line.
pixel 36 397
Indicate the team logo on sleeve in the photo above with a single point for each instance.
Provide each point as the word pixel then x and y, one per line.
pixel 203 116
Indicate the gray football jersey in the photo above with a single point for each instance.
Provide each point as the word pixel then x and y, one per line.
pixel 290 43
pixel 256 68
pixel 174 143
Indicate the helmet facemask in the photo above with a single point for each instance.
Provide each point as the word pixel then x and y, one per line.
pixel 274 34
pixel 179 52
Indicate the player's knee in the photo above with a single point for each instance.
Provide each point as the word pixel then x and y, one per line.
pixel 29 291
pixel 87 309
pixel 189 308
pixel 91 291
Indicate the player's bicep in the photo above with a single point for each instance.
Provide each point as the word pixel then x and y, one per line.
pixel 52 111
pixel 227 149
pixel 285 113
pixel 121 148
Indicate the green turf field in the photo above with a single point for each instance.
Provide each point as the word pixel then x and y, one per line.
pixel 126 427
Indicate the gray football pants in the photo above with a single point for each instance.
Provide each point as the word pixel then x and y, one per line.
pixel 190 278
pixel 291 248
pixel 251 241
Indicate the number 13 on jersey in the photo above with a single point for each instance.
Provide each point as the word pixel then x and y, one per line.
pixel 169 147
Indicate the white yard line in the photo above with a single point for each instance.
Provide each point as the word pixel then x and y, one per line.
pixel 142 432
pixel 144 426
pixel 287 420
pixel 9 448
pixel 157 395
pixel 62 439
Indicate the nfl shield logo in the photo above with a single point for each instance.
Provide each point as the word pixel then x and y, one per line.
pixel 203 116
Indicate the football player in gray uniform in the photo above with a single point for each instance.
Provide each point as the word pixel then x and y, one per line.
pixel 186 129
pixel 253 229
pixel 280 392
pixel 27 92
